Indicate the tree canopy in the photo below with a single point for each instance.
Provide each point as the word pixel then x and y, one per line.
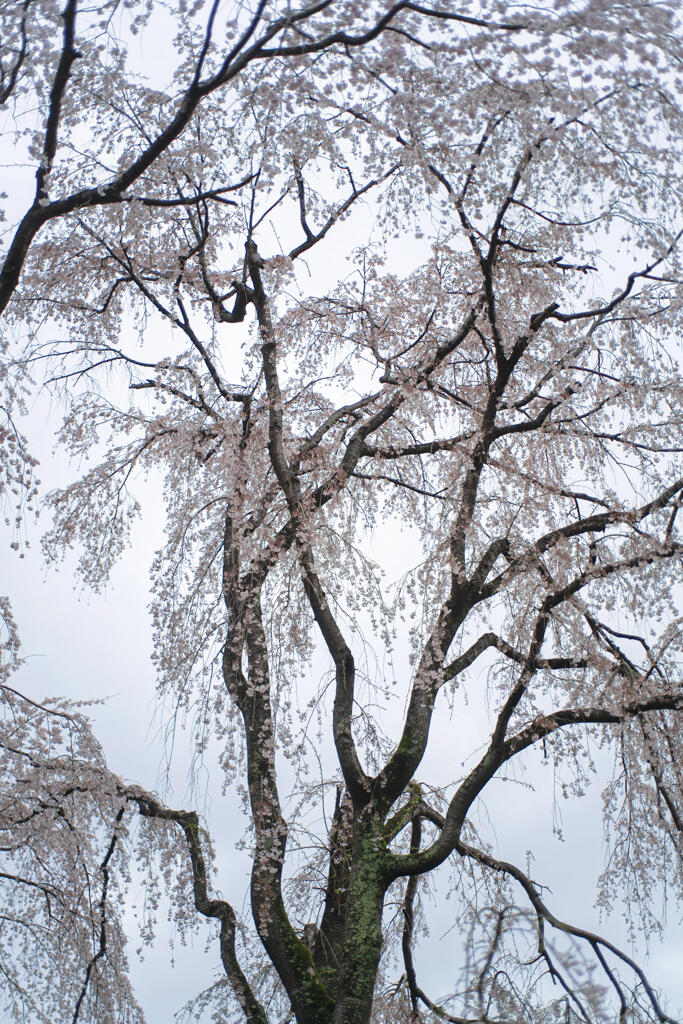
pixel 351 279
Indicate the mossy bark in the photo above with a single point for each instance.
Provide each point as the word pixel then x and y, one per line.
pixel 362 944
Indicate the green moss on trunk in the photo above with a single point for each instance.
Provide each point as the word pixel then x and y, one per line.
pixel 362 945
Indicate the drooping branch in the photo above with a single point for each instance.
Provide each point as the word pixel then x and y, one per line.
pixel 544 725
pixel 347 39
pixel 663 789
pixel 619 298
pixel 408 918
pixel 596 942
pixel 552 601
pixel 102 914
pixel 209 907
pixel 597 523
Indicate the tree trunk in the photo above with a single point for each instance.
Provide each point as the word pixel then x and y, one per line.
pixel 362 944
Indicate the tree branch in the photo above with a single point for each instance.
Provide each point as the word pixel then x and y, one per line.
pixel 595 941
pixel 208 907
pixel 493 759
pixel 597 523
pixel 101 908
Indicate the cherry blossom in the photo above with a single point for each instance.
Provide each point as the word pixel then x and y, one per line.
pixel 349 277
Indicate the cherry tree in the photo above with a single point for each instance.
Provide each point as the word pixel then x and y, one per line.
pixel 367 286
